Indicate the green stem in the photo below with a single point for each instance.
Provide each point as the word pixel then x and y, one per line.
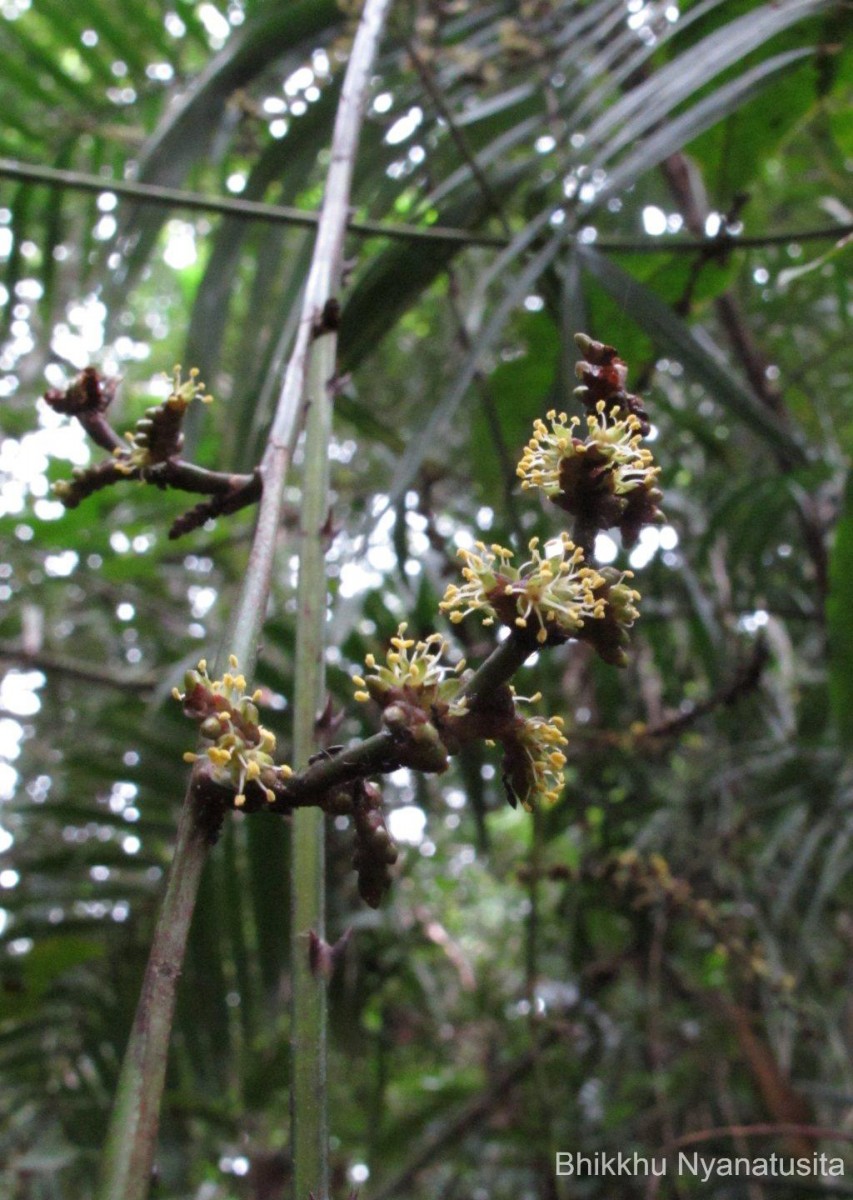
pixel 255 210
pixel 502 664
pixel 308 1099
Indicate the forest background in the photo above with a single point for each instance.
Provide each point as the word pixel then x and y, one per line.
pixel 662 954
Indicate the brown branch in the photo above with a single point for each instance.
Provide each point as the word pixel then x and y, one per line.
pixel 75 669
pixel 782 1100
pixel 740 1133
pixel 785 1104
pixel 150 453
pixel 745 680
pixel 229 492
pixel 245 490
pixel 467 1118
pixel 763 1129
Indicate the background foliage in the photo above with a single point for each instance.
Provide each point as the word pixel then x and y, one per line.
pixel 667 950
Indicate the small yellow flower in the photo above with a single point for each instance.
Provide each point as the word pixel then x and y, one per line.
pixel 534 760
pixel 238 748
pixel 185 391
pixel 62 489
pixel 615 437
pixel 414 670
pixel 555 591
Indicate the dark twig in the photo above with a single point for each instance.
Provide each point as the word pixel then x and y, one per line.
pixel 149 454
pixel 468 1117
pixel 245 490
pixel 460 141
pixel 745 679
pixel 247 210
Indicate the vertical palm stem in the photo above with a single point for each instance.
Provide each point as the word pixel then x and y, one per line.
pixel 307 876
pixel 309 1118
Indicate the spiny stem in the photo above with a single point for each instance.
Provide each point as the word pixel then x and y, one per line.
pixel 308 1103
pixel 132 1134
pixel 308 1097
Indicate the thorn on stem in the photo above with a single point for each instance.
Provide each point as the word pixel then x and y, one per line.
pixel 323 959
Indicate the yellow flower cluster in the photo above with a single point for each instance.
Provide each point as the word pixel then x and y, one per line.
pixel 169 414
pixel 241 749
pixel 185 391
pixel 614 436
pixel 555 591
pixel 539 776
pixel 414 669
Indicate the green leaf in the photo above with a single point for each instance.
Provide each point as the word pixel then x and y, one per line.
pixel 434 428
pixel 695 349
pixel 674 134
pixel 642 107
pixel 839 606
pixel 25 980
pixel 184 136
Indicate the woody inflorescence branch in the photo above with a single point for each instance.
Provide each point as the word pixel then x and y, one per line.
pixel 431 702
pixel 150 452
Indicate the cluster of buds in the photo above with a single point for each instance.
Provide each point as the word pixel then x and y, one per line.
pixel 150 452
pixel 556 592
pixel 603 375
pixel 87 399
pixel 237 750
pixel 417 694
pixel 89 394
pixel 375 849
pixel 606 478
pixel 157 436
pixel 85 481
pixel 156 439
